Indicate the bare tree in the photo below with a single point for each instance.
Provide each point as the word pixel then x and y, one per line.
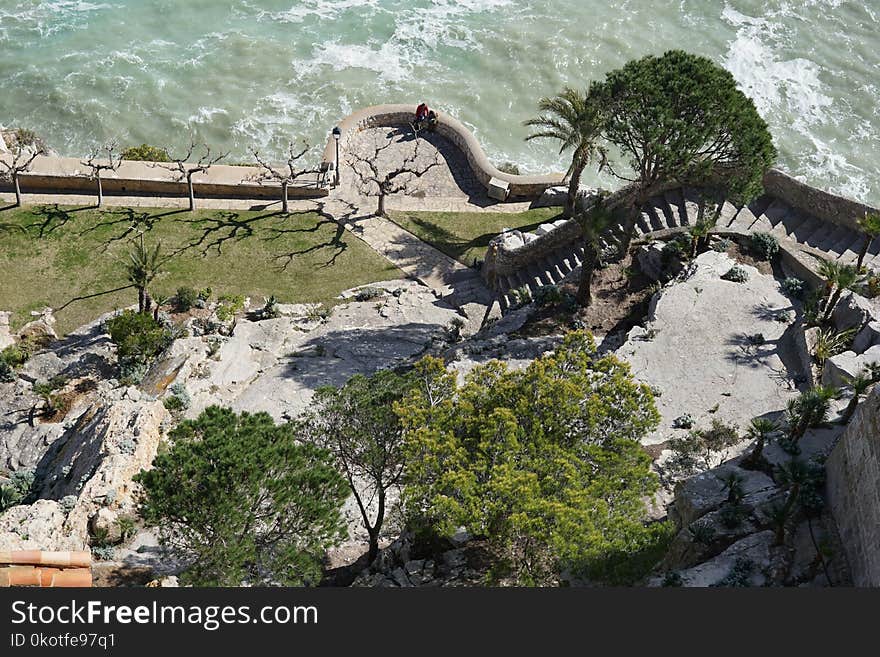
pixel 17 162
pixel 380 176
pixel 287 175
pixel 97 163
pixel 185 169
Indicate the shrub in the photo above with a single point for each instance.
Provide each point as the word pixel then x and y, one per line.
pixel 179 399
pixel 521 296
pixel 701 448
pixel 242 501
pixel 509 167
pixel 17 490
pixel 764 245
pixel 7 374
pixel 185 298
pixel 722 245
pixel 145 153
pixel 138 339
pixel 793 287
pixel 736 274
pixel 548 295
pixel 544 462
pixel 270 309
pixel 685 421
pixel 15 355
pixel 230 306
pixel 367 293
pixel 678 248
pixel 830 343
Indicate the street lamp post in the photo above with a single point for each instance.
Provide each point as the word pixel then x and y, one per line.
pixel 337 135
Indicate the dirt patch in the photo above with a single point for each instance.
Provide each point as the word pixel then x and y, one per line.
pixel 621 295
pixel 113 574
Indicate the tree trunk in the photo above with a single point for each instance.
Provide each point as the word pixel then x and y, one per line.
pixel 284 204
pixel 864 251
pixel 832 302
pixel 142 293
pixel 574 183
pixel 381 208
pixel 584 294
pixel 374 531
pixel 630 226
pixel 100 190
pixel 192 195
pixel 17 190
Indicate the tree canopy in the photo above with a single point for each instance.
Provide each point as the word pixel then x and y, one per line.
pixel 681 118
pixel 243 502
pixel 544 463
pixel 359 426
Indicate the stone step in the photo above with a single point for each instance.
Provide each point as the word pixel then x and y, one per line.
pixel 696 204
pixel 664 212
pixel 850 253
pixel 832 243
pixel 657 215
pixel 675 201
pixel 643 223
pixel 770 217
pixel 805 229
pixel 743 221
pixel 728 214
pixel 788 224
pixel 820 236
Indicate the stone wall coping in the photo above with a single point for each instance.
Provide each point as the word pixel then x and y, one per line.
pixel 49 173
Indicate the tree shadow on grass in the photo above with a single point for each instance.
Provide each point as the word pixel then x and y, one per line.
pixel 216 231
pixel 336 242
pixel 134 221
pixel 52 217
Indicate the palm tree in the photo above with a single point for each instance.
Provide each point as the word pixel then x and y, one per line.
pixel 870 225
pixel 792 477
pixel 143 266
pixel 838 278
pixel 860 385
pixel 808 410
pixel 759 429
pixel 593 225
pixel 575 120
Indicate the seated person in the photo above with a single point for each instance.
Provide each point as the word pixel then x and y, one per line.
pixel 422 113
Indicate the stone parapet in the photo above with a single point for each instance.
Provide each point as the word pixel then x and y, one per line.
pixel 521 186
pixel 69 175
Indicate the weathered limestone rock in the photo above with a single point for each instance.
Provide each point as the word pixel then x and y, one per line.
pixel 715 348
pixel 40 526
pixel 104 524
pixel 854 491
pixel 650 257
pixel 6 338
pixel 852 311
pixel 751 556
pixel 705 492
pixel 42 328
pixel 552 197
pixel 841 369
pixel 867 338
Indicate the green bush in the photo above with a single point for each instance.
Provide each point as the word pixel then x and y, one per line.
pixel 548 295
pixel 7 374
pixel 185 298
pixel 139 339
pixel 736 274
pixel 794 287
pixel 764 245
pixel 230 306
pixel 241 500
pixel 145 153
pixel 15 355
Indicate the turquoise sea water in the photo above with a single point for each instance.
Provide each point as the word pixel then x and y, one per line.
pixel 242 73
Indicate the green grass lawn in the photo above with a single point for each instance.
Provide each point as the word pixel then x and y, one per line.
pixel 465 235
pixel 67 253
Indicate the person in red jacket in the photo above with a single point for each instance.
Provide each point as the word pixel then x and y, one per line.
pixel 422 112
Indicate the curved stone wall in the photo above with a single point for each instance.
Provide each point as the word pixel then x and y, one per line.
pixel 452 129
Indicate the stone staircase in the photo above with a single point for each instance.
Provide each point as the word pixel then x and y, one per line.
pixel 678 210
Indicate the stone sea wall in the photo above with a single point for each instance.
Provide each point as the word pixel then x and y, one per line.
pixel 854 491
